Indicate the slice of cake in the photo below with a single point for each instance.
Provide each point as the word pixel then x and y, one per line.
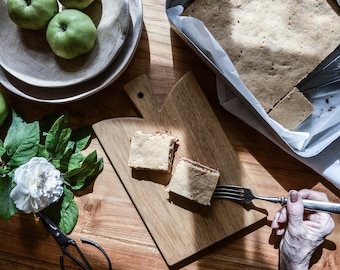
pixel 152 151
pixel 193 181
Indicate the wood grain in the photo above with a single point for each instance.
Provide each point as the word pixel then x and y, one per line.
pixel 108 216
pixel 179 227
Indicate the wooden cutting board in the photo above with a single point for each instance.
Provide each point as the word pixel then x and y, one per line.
pixel 180 228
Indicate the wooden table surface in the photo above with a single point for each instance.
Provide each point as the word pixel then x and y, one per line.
pixel 107 214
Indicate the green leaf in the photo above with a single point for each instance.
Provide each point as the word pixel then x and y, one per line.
pixel 57 138
pixel 64 212
pixel 82 176
pixel 21 142
pixel 62 163
pixel 75 161
pixel 69 212
pixel 2 148
pixel 42 152
pixel 7 206
pixel 3 171
pixel 81 138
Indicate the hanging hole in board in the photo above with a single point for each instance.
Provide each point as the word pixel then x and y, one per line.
pixel 140 94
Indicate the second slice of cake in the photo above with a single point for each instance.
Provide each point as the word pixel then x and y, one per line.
pixel 194 181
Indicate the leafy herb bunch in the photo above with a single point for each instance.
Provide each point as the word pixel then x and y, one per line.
pixel 62 147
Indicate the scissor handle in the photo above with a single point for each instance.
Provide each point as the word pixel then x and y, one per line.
pixel 64 241
pixel 84 264
pixel 90 242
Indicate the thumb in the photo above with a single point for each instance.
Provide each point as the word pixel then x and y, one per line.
pixel 295 208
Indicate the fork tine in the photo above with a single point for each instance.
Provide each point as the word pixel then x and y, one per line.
pixel 229 187
pixel 229 192
pixel 224 196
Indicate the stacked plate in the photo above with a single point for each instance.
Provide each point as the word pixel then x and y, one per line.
pixel 31 70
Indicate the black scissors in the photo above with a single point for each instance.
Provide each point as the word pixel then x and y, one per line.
pixel 64 241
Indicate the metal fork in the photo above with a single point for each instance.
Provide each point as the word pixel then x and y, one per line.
pixel 245 195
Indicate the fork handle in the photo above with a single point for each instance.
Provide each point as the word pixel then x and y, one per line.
pixel 318 205
pixel 322 206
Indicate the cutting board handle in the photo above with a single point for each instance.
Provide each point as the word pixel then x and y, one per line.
pixel 140 92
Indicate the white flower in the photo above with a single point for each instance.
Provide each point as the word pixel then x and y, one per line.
pixel 38 185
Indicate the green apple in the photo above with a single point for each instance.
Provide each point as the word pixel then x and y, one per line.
pixel 4 108
pixel 77 4
pixel 32 14
pixel 71 33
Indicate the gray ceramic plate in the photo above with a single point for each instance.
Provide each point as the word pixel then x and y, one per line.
pixel 26 55
pixel 84 89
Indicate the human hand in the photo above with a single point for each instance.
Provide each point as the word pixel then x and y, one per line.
pixel 303 230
